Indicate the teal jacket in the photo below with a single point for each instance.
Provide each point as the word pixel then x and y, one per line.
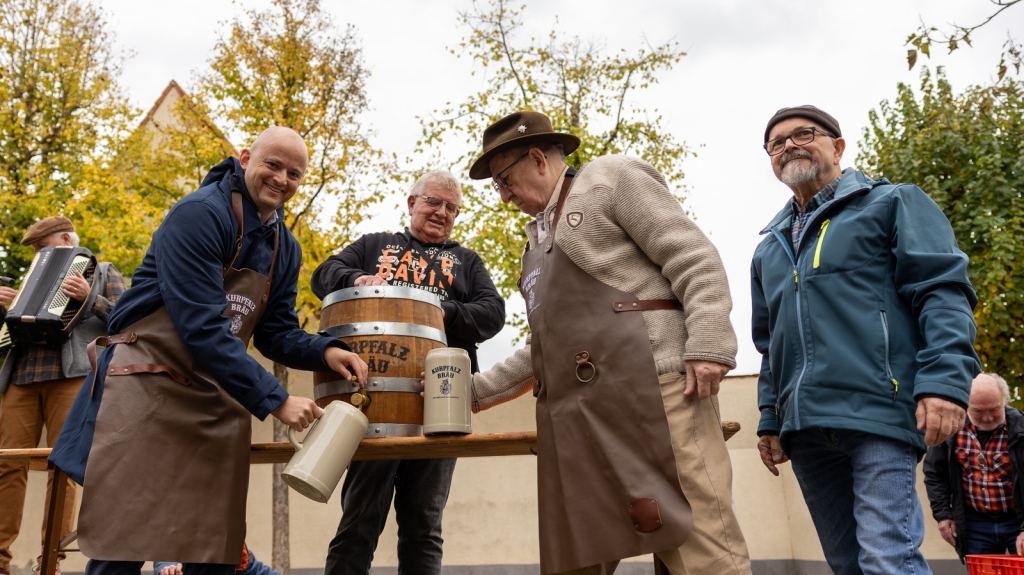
pixel 869 313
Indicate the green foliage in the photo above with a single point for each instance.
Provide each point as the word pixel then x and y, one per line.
pixel 957 35
pixel 584 90
pixel 69 142
pixel 290 66
pixel 60 114
pixel 967 152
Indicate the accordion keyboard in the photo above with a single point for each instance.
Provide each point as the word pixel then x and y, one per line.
pixel 60 299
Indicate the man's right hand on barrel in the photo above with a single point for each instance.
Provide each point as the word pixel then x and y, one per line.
pixel 297 412
pixel 346 363
pixel 369 280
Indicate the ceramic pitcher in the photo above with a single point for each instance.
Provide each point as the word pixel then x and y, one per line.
pixel 447 392
pixel 320 460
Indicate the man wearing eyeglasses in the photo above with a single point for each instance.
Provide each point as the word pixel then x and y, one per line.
pixel 862 311
pixel 630 337
pixel 422 257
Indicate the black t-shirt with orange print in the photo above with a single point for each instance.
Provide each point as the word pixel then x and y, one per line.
pixel 473 310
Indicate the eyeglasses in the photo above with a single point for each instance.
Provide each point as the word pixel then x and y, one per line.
pixel 435 203
pixel 801 137
pixel 500 182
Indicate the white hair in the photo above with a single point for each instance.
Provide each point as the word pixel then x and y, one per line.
pixel 75 241
pixel 1004 388
pixel 443 178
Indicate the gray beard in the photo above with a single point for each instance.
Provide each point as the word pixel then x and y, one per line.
pixel 797 175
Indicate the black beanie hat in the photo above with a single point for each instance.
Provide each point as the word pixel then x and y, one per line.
pixel 805 111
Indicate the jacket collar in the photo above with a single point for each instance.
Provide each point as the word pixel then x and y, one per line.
pixel 853 182
pixel 1014 423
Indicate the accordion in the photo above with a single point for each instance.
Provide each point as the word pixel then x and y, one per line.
pixel 41 313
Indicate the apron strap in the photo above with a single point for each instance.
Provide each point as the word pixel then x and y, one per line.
pixel 566 182
pixel 148 368
pixel 105 341
pixel 646 305
pixel 273 261
pixel 236 207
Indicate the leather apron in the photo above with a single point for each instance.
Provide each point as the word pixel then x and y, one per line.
pixel 607 481
pixel 168 470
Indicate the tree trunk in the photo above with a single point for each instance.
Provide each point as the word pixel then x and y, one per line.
pixel 280 559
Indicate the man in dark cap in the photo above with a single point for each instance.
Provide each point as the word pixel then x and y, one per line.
pixel 862 311
pixel 628 306
pixel 39 382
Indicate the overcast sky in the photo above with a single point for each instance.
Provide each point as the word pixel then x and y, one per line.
pixel 745 60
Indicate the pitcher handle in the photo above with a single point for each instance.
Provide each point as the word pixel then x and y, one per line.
pixel 295 442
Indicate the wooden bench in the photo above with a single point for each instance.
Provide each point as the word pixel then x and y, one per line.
pixel 473 445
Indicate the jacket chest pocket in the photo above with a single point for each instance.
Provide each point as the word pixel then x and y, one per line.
pixel 849 240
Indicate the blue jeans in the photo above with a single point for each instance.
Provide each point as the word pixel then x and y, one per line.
pixel 420 489
pixel 860 490
pixel 988 536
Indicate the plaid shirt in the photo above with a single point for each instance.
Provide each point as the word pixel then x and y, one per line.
pixel 803 215
pixel 987 473
pixel 43 362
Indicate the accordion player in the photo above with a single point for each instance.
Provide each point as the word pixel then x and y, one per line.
pixel 42 313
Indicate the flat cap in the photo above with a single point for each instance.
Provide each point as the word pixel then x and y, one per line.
pixel 45 227
pixel 806 111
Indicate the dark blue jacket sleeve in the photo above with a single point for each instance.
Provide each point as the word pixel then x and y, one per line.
pixel 931 279
pixel 482 315
pixel 189 251
pixel 277 335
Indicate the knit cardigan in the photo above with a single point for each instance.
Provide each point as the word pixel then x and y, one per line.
pixel 635 237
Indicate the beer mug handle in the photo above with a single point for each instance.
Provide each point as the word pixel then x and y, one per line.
pixel 291 434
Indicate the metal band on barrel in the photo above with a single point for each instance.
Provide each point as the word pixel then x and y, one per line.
pixel 391 292
pixel 395 384
pixel 393 430
pixel 371 328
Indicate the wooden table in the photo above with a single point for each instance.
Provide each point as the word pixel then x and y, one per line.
pixel 473 445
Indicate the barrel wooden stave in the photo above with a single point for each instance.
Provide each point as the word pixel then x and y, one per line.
pixel 382 309
pixel 387 356
pixel 386 407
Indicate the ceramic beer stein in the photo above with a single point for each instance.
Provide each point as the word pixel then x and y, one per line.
pixel 447 392
pixel 320 460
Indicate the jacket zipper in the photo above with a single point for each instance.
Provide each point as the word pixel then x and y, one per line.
pixel 888 370
pixel 800 329
pixel 821 240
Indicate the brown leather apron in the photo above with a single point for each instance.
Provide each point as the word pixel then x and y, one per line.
pixel 168 471
pixel 606 473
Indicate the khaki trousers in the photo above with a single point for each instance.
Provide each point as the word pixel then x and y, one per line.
pixel 716 545
pixel 23 412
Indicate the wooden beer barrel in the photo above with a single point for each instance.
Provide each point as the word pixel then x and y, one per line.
pixel 392 329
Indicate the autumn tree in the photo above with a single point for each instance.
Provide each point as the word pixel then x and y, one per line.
pixel 585 90
pixel 61 116
pixel 956 36
pixel 290 65
pixel 967 152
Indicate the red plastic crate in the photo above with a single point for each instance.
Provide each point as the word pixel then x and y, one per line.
pixel 995 565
